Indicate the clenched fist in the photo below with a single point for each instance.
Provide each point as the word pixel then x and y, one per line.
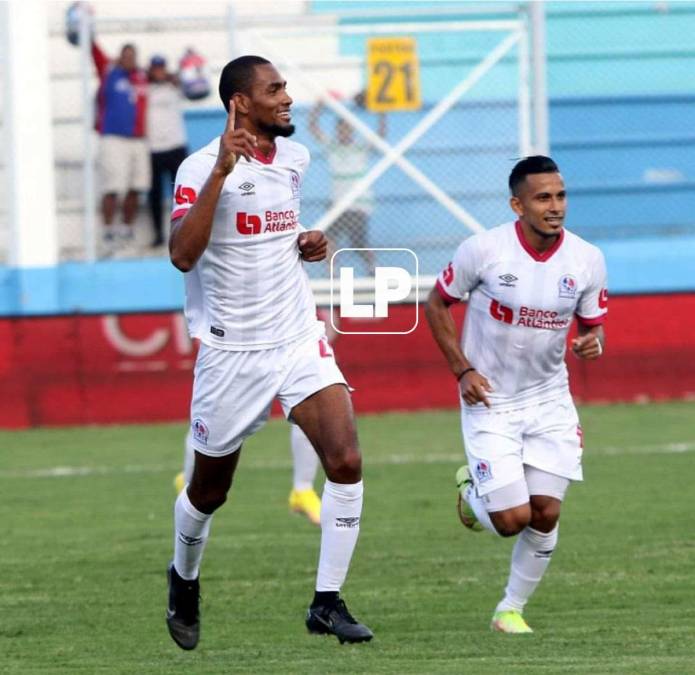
pixel 312 245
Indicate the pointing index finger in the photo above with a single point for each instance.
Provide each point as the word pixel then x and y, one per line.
pixel 231 117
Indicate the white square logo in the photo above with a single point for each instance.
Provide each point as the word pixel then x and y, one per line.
pixel 366 304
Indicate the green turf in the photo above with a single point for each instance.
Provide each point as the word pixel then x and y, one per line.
pixel 82 559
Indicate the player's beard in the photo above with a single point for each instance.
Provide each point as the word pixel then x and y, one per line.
pixel 277 130
pixel 545 235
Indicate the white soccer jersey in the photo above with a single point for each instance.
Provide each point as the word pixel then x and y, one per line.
pixel 520 308
pixel 249 290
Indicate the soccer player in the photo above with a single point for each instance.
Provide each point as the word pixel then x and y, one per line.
pixel 527 280
pixel 236 234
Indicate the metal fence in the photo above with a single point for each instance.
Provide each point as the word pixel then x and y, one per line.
pixel 423 177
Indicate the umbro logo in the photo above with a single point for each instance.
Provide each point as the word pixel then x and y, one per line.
pixel 190 541
pixel 247 189
pixel 508 280
pixel 347 522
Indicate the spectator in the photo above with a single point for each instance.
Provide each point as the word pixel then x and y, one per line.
pixel 166 135
pixel 123 153
pixel 348 160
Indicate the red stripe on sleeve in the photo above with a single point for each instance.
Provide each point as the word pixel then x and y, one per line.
pixel 593 321
pixel 449 299
pixel 178 214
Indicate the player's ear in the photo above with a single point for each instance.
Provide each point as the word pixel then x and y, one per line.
pixel 516 205
pixel 241 102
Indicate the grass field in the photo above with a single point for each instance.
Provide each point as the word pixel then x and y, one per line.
pixel 86 517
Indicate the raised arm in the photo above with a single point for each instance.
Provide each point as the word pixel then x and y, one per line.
pixel 472 384
pixel 101 61
pixel 191 233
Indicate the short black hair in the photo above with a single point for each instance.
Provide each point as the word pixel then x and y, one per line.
pixel 530 165
pixel 237 75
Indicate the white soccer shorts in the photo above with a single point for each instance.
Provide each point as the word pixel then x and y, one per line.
pixel 498 444
pixel 124 164
pixel 233 391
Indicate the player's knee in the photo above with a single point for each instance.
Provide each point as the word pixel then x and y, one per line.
pixel 512 521
pixel 344 465
pixel 207 502
pixel 545 512
pixel 545 516
pixel 207 498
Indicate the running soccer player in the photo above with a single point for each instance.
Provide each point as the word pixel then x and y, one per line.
pixel 236 234
pixel 527 280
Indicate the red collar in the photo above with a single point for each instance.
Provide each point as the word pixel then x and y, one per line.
pixel 538 255
pixel 265 159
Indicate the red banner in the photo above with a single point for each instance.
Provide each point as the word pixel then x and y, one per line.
pixel 137 368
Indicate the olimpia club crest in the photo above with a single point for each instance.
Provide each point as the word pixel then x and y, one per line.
pixel 567 286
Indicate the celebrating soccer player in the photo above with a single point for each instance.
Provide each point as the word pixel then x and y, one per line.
pixel 236 234
pixel 527 280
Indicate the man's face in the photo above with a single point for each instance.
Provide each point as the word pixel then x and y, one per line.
pixel 158 73
pixel 269 108
pixel 128 59
pixel 541 202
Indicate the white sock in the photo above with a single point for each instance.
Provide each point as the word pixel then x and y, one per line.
pixel 530 559
pixel 188 458
pixel 305 461
pixel 191 529
pixel 478 506
pixel 341 509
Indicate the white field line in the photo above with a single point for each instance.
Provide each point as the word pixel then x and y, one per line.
pixel 388 460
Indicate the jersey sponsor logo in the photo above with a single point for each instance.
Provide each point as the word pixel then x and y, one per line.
pixel 603 298
pixel 483 471
pixel 219 332
pixel 567 286
pixel 272 221
pixel 247 223
pixel 508 280
pixel 541 318
pixel 185 195
pixel 280 221
pixel 448 274
pixel 501 313
pixel 200 431
pixel 528 316
pixel 295 183
pixel 247 189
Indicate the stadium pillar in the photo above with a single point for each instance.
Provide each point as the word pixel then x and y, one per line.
pixel 29 144
pixel 539 95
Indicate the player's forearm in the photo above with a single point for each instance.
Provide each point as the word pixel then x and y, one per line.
pixel 191 235
pixel 583 329
pixel 443 329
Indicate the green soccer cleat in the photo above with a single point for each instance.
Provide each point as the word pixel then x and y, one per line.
pixel 464 483
pixel 509 621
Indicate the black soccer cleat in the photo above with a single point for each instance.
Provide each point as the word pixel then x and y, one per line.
pixel 335 620
pixel 183 615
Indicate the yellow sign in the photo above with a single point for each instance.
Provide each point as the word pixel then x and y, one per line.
pixel 393 78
